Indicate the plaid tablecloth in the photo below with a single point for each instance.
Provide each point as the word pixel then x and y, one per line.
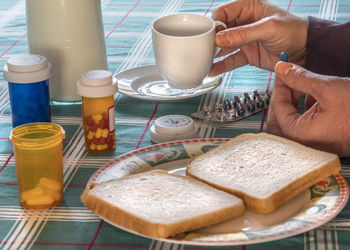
pixel 128 41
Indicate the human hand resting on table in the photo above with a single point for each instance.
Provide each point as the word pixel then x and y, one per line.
pixel 257 33
pixel 326 124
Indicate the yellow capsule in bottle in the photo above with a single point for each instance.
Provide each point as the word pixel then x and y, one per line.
pixel 40 200
pixel 50 184
pixel 37 191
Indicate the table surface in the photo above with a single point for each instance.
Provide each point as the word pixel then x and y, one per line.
pixel 128 42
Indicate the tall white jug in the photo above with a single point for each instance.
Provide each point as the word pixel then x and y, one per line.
pixel 69 33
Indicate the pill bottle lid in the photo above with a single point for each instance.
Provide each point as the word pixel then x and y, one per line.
pixel 173 127
pixel 27 68
pixel 96 83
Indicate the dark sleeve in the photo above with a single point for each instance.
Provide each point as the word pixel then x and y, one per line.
pixel 328 47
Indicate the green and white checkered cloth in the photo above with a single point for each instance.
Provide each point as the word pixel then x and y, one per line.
pixel 128 40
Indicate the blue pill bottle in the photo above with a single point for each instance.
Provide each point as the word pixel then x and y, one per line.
pixel 28 84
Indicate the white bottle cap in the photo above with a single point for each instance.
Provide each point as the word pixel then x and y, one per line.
pixel 173 127
pixel 27 69
pixel 96 83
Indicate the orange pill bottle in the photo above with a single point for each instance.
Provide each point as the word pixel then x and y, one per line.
pixel 39 164
pixel 97 89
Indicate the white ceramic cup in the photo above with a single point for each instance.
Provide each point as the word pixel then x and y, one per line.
pixel 184 48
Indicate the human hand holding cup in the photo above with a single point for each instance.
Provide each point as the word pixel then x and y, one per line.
pixel 184 48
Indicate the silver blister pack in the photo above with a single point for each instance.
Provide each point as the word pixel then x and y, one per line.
pixel 236 108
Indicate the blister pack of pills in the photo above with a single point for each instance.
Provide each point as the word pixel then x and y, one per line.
pixel 235 109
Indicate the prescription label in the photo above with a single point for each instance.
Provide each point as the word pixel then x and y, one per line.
pixel 111 119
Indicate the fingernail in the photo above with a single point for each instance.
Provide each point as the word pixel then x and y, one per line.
pixel 282 68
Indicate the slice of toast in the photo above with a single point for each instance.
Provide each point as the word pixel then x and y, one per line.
pixel 158 204
pixel 262 169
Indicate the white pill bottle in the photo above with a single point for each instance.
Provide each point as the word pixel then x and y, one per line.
pixel 69 33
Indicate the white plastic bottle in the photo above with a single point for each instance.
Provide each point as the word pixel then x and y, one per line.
pixel 69 33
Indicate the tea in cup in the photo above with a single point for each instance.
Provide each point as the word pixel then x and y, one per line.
pixel 184 48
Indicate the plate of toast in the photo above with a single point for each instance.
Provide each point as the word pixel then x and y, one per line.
pixel 249 189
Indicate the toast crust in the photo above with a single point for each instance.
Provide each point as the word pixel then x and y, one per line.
pixel 142 226
pixel 281 196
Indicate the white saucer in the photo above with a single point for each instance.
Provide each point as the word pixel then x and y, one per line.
pixel 146 83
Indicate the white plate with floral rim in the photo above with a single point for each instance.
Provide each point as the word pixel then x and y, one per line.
pixel 308 210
